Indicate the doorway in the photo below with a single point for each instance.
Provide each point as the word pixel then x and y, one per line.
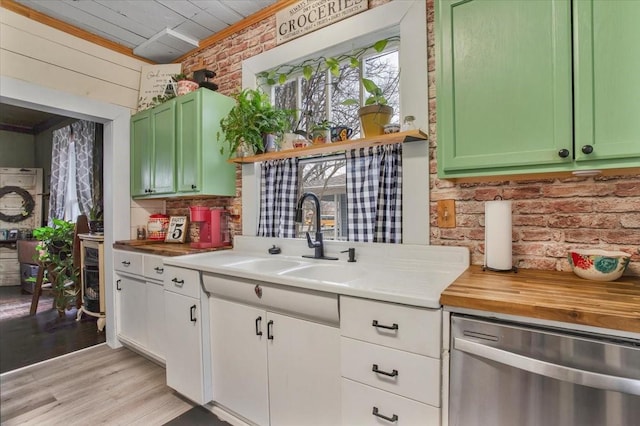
pixel 116 148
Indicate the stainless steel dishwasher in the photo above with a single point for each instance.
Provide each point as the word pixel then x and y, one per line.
pixel 507 374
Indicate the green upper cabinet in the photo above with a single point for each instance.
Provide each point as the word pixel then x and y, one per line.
pixel 201 168
pixel 607 81
pixel 175 150
pixel 508 86
pixel 153 151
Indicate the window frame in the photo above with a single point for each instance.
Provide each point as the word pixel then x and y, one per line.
pixel 408 19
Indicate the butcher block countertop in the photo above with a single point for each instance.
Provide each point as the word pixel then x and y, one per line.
pixel 549 295
pixel 161 248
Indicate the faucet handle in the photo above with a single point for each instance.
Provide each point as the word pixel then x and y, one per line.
pixel 310 243
pixel 352 254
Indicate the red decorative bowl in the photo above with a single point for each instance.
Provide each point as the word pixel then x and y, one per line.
pixel 599 265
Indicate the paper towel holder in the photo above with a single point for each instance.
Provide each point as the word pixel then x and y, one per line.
pixel 512 268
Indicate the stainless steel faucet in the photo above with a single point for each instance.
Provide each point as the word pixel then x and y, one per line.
pixel 318 244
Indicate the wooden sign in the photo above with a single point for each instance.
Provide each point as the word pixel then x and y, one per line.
pixel 155 80
pixel 310 15
pixel 177 232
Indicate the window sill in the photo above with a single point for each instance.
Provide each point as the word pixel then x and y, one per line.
pixel 332 148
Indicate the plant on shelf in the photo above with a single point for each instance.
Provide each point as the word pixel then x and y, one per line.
pixel 96 222
pixel 376 102
pixel 321 132
pixel 56 255
pixel 250 121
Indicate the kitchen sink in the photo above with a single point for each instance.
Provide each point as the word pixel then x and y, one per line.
pixel 265 265
pixel 334 273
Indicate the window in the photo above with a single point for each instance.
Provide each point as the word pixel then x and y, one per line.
pixel 326 178
pixel 405 19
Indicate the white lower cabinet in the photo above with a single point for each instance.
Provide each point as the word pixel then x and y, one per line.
pixel 390 362
pixel 366 405
pixel 140 318
pixel 187 330
pixel 272 368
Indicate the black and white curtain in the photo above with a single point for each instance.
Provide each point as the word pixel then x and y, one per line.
pixel 278 197
pixel 374 194
pixel 72 171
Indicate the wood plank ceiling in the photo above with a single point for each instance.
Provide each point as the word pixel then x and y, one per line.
pixel 158 30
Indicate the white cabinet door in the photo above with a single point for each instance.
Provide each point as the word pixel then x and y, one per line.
pixel 239 353
pixel 155 319
pixel 304 372
pixel 183 355
pixel 132 309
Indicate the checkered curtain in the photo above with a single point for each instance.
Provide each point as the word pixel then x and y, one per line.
pixel 278 198
pixel 374 194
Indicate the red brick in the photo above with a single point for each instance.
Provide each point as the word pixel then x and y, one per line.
pixel 522 192
pixel 536 235
pixel 630 221
pixel 537 263
pixel 583 221
pixel 571 206
pixel 620 237
pixel 579 190
pixel 581 236
pixel 628 189
pixel 611 204
pixel 529 220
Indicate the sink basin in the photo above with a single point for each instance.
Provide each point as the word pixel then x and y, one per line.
pixel 334 273
pixel 265 264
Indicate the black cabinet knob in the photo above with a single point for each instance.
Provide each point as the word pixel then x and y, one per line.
pixel 587 149
pixel 564 153
pixel 193 187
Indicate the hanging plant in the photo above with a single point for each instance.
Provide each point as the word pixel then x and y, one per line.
pixel 28 204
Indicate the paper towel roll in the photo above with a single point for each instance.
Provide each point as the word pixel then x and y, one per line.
pixel 497 235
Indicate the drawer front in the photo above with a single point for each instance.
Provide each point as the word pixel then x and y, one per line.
pixel 317 306
pixel 360 401
pixel 127 261
pixel 403 373
pixel 398 326
pixel 182 281
pixel 153 268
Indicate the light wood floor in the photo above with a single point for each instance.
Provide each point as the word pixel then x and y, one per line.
pixel 98 385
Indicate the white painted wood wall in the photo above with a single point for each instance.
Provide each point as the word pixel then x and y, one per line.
pixel 42 55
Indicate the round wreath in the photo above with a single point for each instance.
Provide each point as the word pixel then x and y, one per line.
pixel 27 204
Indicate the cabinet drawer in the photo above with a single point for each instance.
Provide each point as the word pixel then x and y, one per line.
pixel 359 402
pixel 314 305
pixel 127 262
pixel 153 268
pixel 403 373
pixel 398 326
pixel 182 281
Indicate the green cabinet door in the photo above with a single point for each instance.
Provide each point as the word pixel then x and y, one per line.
pixel 503 85
pixel 189 141
pixel 607 81
pixel 141 152
pixel 164 148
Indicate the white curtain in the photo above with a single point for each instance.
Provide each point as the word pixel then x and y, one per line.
pixel 72 177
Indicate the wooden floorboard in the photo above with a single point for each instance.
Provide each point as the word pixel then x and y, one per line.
pixel 98 385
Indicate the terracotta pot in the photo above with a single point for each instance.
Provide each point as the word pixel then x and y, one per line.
pixel 373 118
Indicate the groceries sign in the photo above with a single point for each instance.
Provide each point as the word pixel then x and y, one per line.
pixel 309 15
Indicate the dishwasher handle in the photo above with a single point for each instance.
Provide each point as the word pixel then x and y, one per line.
pixel 548 369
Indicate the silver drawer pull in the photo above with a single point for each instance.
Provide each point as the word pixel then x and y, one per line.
pixel 375 369
pixel 126 263
pixel 178 282
pixel 159 269
pixel 393 418
pixel 387 327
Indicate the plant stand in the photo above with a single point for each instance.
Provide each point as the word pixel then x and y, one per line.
pixel 92 278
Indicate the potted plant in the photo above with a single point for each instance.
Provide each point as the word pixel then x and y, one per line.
pixel 56 255
pixel 250 121
pixel 184 84
pixel 375 114
pixel 321 132
pixel 96 222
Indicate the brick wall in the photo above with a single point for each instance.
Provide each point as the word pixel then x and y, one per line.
pixel 549 215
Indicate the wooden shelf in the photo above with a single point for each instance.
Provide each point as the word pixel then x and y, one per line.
pixel 335 147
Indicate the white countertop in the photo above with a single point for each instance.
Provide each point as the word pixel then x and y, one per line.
pixel 408 274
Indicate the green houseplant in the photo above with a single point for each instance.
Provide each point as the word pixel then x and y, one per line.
pixel 56 254
pixel 375 109
pixel 96 222
pixel 250 120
